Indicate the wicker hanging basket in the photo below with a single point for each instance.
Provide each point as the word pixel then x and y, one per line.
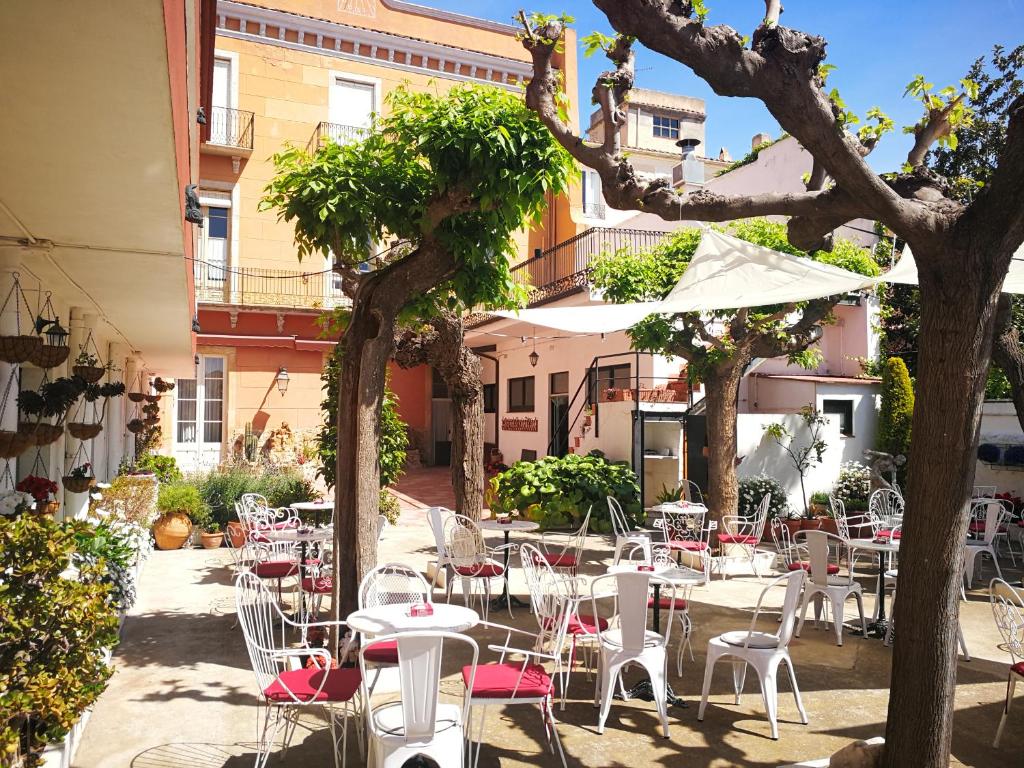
pixel 152 398
pixel 28 430
pixel 83 430
pixel 135 426
pixel 91 373
pixel 77 484
pixel 46 434
pixel 13 443
pixel 136 397
pixel 19 349
pixel 50 356
pixel 151 421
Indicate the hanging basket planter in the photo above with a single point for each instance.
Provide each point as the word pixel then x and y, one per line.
pixel 83 430
pixel 77 484
pixel 90 373
pixel 50 356
pixel 19 349
pixel 13 444
pixel 136 397
pixel 43 434
pixel 152 398
pixel 135 426
pixel 28 430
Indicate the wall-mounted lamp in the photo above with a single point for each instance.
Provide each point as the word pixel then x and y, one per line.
pixel 56 336
pixel 282 379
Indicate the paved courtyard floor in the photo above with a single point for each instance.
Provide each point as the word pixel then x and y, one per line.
pixel 183 695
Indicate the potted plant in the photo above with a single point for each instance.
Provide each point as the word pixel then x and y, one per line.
pixel 178 504
pixel 819 504
pixel 211 536
pixel 14 503
pixel 41 489
pixel 80 479
pixel 804 455
pixel 87 367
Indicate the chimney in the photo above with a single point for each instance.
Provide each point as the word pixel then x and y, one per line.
pixel 759 139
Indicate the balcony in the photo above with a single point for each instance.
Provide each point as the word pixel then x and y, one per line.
pixel 594 210
pixel 230 132
pixel 336 132
pixel 255 287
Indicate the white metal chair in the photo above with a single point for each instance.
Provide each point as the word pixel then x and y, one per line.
pixel 625 535
pixel 569 557
pixel 823 585
pixel 527 681
pixel 285 686
pixel 1008 612
pixel 630 642
pixel 763 650
pixel 698 543
pixel 980 491
pixel 472 562
pixel 995 517
pixel 680 603
pixel 389 584
pixel 436 517
pixel 417 724
pixel 886 505
pixel 692 492
pixel 746 532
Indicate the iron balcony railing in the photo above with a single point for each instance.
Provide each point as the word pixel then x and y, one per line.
pixel 565 269
pixel 231 128
pixel 268 287
pixel 594 210
pixel 336 132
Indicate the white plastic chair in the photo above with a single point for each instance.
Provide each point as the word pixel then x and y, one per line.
pixel 763 650
pixel 436 517
pixel 746 532
pixel 286 687
pixel 995 517
pixel 625 536
pixel 631 642
pixel 569 557
pixel 823 585
pixel 417 724
pixel 1008 612
pixel 472 561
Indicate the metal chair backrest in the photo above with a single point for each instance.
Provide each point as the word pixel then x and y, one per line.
pixel 994 518
pixel 436 520
pixel 620 525
pixel 393 584
pixel 1008 612
pixel 818 554
pixel 631 593
pixel 782 540
pixel 794 587
pixel 552 597
pixel 980 491
pixel 419 673
pixel 838 508
pixel 578 541
pixel 464 542
pixel 886 505
pixel 675 523
pixel 257 614
pixel 761 517
pixel 692 492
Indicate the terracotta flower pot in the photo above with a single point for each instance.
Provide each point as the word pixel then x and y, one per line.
pixel 171 530
pixel 793 526
pixel 211 540
pixel 236 534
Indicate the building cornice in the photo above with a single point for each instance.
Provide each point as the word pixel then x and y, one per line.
pixel 384 49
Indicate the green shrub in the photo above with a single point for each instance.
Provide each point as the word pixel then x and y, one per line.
pixel 389 506
pixel 183 497
pixel 753 489
pixel 53 633
pixel 220 489
pixel 557 491
pixel 853 486
pixel 130 496
pixel 897 409
pixel 164 467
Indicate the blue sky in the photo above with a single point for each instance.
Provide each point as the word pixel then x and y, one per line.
pixel 877 45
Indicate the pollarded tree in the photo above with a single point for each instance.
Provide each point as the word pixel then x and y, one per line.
pixel 962 249
pixel 718 346
pixel 453 176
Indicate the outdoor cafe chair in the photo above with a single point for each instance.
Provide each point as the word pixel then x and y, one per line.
pixel 472 561
pixel 629 641
pixel 625 535
pixel 418 724
pixel 291 679
pixel 1008 612
pixel 569 557
pixel 826 584
pixel 992 516
pixel 436 518
pixel 886 505
pixel 746 532
pixel 762 650
pixel 680 603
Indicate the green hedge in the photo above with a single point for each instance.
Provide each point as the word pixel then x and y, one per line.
pixel 221 489
pixel 557 491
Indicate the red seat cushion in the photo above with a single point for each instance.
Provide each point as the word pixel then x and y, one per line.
pixel 666 602
pixel 341 685
pixel 832 569
pixel 382 653
pixel 737 538
pixel 275 569
pixel 560 561
pixel 499 681
pixel 584 624
pixel 483 569
pixel 887 533
pixel 318 585
pixel 688 545
pixel 1018 668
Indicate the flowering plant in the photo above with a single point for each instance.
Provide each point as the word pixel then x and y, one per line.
pixel 40 488
pixel 15 502
pixel 853 486
pixel 753 489
pixel 82 472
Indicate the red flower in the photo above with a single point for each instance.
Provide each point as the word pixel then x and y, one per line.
pixel 40 488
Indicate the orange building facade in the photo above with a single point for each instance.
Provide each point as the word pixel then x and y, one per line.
pixel 301 73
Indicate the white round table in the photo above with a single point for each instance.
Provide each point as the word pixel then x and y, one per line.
pixel 390 619
pixel 515 525
pixel 881 548
pixel 316 507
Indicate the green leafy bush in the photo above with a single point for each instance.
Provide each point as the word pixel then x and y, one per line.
pixel 557 491
pixel 53 635
pixel 753 489
pixel 389 506
pixel 164 467
pixel 182 497
pixel 133 497
pixel 220 489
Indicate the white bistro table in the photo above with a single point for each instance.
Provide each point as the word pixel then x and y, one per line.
pixel 881 548
pixel 506 598
pixel 302 536
pixel 391 619
pixel 316 507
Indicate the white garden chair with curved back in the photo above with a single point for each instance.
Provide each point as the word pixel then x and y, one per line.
pixel 692 492
pixel 418 724
pixel 569 557
pixel 1002 531
pixel 286 688
pixel 1008 613
pixel 696 542
pixel 629 641
pixel 679 603
pixel 825 583
pixel 886 505
pixel 473 563
pixel 762 650
pixel 994 516
pixel 746 532
pixel 625 535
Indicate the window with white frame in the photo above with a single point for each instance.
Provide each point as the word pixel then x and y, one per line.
pixel 666 127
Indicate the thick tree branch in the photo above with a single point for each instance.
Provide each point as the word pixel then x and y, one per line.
pixel 931 130
pixel 798 336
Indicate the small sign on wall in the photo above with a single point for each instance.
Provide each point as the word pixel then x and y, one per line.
pixel 519 424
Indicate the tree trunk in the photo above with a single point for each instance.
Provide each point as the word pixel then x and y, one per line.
pixel 954 346
pixel 720 406
pixel 1008 353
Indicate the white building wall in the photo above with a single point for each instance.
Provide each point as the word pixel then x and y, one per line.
pixel 999 425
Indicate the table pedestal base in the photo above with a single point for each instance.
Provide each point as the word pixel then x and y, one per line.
pixel 644 691
pixel 876 630
pixel 504 600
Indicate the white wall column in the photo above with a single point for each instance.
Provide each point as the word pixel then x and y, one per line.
pixel 79 325
pixel 118 355
pixel 133 383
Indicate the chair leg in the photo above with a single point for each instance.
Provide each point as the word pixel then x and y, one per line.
pixel 739 677
pixel 1011 684
pixel 709 671
pixel 334 737
pixel 659 687
pixel 803 612
pixel 860 608
pixel 962 641
pixel 608 675
pixel 770 694
pixel 550 714
pixel 796 690
pixel 838 614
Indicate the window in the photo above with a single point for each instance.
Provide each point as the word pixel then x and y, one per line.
pixel 520 394
pixel 593 198
pixel 186 410
pixel 213 399
pixel 215 244
pixel 666 127
pixel 844 410
pixel 560 383
pixel 490 398
pixel 608 377
pixel 438 386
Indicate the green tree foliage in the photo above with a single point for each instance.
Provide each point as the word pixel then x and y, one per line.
pixel 897 410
